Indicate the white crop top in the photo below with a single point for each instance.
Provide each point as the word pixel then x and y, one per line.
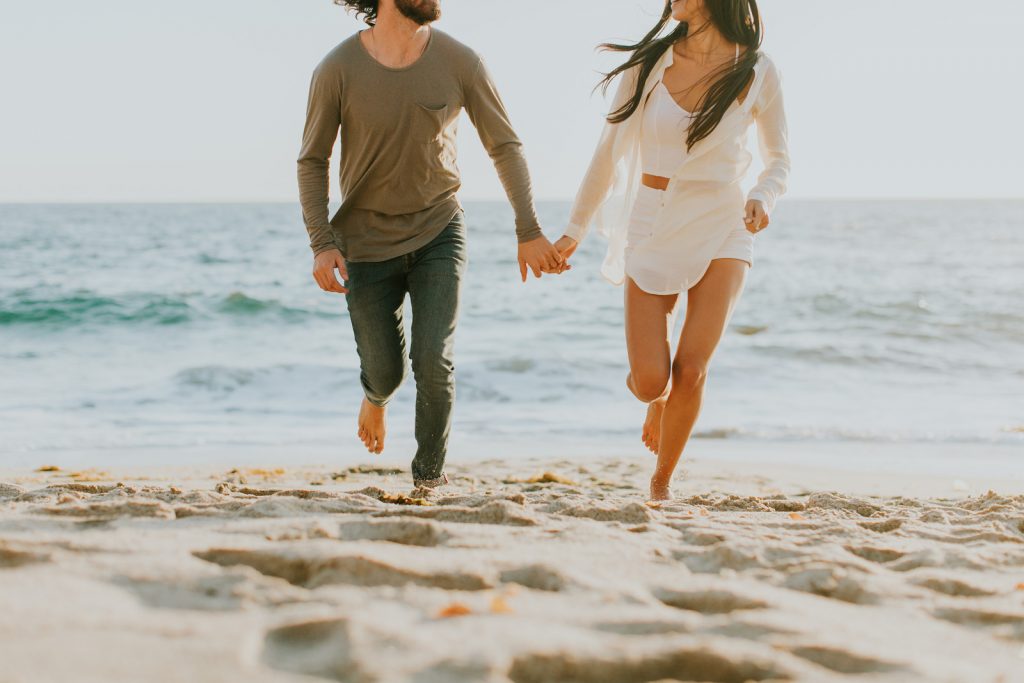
pixel 663 141
pixel 663 146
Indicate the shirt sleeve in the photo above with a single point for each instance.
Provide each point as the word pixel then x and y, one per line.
pixel 323 120
pixel 600 176
pixel 773 141
pixel 487 112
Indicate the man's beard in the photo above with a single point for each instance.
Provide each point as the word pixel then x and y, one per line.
pixel 422 12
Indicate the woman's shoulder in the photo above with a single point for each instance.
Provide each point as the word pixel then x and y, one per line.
pixel 766 63
pixel 770 78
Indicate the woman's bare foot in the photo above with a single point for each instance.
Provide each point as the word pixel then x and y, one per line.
pixel 372 427
pixel 652 425
pixel 660 491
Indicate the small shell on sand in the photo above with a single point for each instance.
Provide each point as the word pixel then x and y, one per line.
pixel 456 609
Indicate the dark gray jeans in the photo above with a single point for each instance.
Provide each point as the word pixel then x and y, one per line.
pixel 431 276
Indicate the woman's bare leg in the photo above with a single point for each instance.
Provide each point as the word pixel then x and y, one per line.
pixel 648 327
pixel 709 306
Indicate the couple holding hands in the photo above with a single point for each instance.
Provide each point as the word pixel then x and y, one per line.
pixel 674 148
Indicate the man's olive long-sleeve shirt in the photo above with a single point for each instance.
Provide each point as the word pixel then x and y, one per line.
pixel 399 175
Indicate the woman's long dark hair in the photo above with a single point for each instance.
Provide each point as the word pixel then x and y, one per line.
pixel 738 21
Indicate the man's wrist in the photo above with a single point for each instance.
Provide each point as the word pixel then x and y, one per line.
pixel 317 250
pixel 528 234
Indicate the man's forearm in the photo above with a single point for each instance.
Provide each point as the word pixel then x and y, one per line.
pixel 515 178
pixel 314 191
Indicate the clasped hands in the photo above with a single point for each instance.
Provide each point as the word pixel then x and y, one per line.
pixel 540 256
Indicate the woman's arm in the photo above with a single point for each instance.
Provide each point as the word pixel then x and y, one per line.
pixel 601 174
pixel 773 140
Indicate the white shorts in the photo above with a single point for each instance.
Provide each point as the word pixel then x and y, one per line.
pixel 739 244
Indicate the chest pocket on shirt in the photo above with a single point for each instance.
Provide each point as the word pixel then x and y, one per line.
pixel 429 122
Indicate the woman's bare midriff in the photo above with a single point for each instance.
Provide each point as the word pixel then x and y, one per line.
pixel 655 182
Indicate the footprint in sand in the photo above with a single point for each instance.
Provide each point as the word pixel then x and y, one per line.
pixel 313 571
pixel 951 587
pixel 536 576
pixel 416 532
pixel 12 556
pixel 682 664
pixel 845 662
pixel 833 582
pixel 499 512
pixel 874 554
pixel 708 601
pixel 324 649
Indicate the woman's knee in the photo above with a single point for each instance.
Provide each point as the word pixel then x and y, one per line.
pixel 689 374
pixel 648 385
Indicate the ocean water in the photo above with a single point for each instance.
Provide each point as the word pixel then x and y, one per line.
pixel 129 328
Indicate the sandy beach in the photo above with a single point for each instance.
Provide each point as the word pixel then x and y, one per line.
pixel 521 571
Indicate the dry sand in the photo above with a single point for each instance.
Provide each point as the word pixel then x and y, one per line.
pixel 508 575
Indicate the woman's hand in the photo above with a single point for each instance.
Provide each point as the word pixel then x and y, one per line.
pixel 566 246
pixel 755 217
pixel 324 266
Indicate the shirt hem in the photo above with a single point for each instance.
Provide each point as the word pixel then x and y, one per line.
pixel 421 240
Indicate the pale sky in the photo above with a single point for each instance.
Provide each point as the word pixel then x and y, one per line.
pixel 201 100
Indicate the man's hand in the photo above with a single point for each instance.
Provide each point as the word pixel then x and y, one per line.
pixel 566 246
pixel 324 266
pixel 540 256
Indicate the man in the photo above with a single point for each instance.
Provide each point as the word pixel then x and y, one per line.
pixel 395 92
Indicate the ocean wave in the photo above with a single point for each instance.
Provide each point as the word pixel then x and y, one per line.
pixel 79 308
pixel 825 434
pixel 271 381
pixel 88 308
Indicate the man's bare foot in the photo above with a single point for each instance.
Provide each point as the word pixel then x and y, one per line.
pixel 372 427
pixel 652 425
pixel 660 491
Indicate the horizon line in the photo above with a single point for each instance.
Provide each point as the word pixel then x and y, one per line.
pixel 186 202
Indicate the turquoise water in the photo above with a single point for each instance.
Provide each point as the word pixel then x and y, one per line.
pixel 166 326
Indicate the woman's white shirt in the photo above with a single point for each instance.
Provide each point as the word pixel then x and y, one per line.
pixel 609 188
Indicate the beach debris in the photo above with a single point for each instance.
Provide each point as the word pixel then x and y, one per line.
pixel 733 503
pixel 78 487
pixel 1020 586
pixel 653 504
pixel 456 609
pixel 545 478
pixel 704 512
pixel 89 475
pixel 48 468
pixel 392 498
pixel 366 469
pixel 241 476
pixel 500 606
pixel 796 516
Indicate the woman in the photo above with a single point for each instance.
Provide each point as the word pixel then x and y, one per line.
pixel 678 125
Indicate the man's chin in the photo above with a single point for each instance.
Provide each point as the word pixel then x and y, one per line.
pixel 423 12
